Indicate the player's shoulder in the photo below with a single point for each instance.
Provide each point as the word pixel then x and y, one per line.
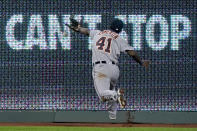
pixel 95 31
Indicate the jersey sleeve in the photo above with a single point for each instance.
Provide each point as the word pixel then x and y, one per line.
pixel 123 44
pixel 93 33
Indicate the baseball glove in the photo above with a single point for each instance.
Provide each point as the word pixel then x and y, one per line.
pixel 73 23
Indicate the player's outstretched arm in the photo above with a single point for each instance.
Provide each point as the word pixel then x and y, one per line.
pixel 82 30
pixel 79 29
pixel 135 56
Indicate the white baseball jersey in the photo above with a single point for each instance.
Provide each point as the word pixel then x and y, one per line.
pixel 107 46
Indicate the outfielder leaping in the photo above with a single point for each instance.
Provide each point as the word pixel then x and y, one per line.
pixel 106 48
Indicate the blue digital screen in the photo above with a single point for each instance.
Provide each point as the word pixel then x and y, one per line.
pixel 44 69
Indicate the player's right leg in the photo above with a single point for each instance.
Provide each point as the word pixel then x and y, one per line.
pixel 112 109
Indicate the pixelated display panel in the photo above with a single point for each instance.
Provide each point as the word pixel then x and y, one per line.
pixel 41 68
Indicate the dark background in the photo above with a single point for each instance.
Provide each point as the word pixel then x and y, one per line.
pixel 61 79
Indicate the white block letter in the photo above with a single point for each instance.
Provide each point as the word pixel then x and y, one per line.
pixel 67 39
pixel 150 26
pixel 12 42
pixel 35 21
pixel 176 34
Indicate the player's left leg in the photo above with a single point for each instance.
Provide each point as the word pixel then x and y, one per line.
pixel 112 105
pixel 112 109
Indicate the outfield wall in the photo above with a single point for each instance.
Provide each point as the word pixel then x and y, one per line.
pixel 99 117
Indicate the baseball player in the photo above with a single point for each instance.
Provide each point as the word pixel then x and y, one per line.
pixel 106 48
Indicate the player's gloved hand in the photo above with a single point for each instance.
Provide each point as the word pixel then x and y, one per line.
pixel 146 64
pixel 74 24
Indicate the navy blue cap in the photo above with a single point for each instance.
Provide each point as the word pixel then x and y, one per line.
pixel 116 25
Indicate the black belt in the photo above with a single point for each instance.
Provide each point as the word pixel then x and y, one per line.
pixel 104 62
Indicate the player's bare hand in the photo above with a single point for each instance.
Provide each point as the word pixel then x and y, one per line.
pixel 146 64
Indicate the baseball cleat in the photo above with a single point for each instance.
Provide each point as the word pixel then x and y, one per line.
pixel 121 99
